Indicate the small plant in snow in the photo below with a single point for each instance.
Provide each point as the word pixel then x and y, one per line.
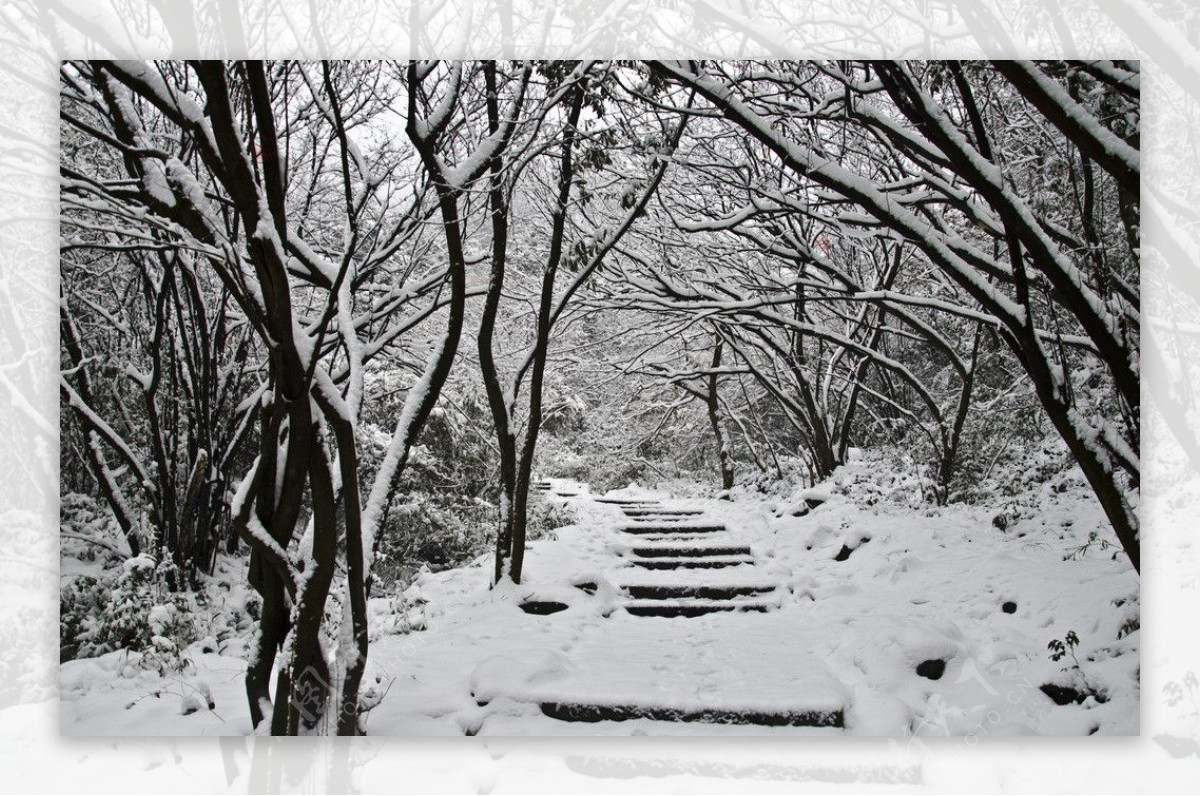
pixel 193 697
pixel 370 697
pixel 408 610
pixel 1080 687
pixel 1093 540
pixel 1061 648
pixel 1131 625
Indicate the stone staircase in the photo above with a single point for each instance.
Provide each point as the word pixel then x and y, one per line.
pixel 676 566
pixel 680 540
pixel 546 487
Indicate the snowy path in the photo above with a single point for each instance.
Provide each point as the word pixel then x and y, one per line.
pixel 656 616
pixel 682 617
pixel 686 671
pixel 649 616
pixel 680 542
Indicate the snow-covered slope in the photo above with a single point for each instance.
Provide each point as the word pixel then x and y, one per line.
pixel 760 622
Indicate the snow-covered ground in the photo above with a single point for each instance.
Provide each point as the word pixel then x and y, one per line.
pixel 832 613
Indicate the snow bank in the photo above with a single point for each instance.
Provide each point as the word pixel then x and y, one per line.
pixel 935 624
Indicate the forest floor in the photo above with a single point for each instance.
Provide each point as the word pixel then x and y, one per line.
pixel 839 610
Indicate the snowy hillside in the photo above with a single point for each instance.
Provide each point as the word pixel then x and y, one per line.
pixel 697 616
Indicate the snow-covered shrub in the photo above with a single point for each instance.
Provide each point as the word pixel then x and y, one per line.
pixel 603 466
pixel 232 620
pixel 443 513
pixel 79 603
pixel 607 470
pixel 136 610
pixel 84 518
pixel 546 516
pixel 455 453
pixel 406 610
pixel 438 531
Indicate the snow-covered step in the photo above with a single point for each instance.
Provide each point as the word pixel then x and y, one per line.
pixel 659 519
pixel 660 513
pixel 691 563
pixel 728 667
pixel 681 527
pixel 763 574
pixel 674 537
pixel 791 717
pixel 613 501
pixel 682 609
pixel 691 551
pixel 678 591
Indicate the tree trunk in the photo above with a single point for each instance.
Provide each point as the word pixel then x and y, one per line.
pixel 949 457
pixel 500 409
pixel 712 400
pixel 542 344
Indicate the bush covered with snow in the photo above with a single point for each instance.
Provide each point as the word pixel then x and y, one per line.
pixel 134 608
pixel 430 530
pixel 438 532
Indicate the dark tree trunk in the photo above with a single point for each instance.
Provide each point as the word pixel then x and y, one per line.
pixel 713 402
pixel 500 409
pixel 949 458
pixel 541 347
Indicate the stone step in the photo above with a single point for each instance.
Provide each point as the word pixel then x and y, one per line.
pixel 683 536
pixel 667 551
pixel 681 609
pixel 579 711
pixel 691 563
pixel 659 519
pixel 620 501
pixel 649 527
pixel 649 512
pixel 670 591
